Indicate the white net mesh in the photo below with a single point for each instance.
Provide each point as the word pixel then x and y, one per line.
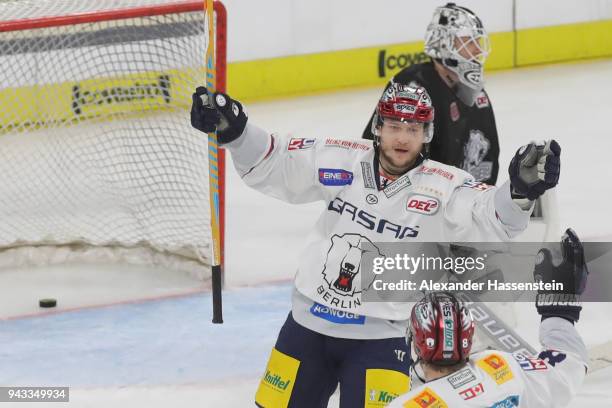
pixel 96 147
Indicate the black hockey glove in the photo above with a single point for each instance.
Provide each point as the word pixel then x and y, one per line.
pixel 572 273
pixel 535 168
pixel 220 113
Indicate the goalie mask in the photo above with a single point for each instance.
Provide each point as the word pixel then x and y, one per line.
pixel 456 38
pixel 441 329
pixel 405 103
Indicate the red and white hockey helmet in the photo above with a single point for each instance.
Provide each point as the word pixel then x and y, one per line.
pixel 441 329
pixel 406 103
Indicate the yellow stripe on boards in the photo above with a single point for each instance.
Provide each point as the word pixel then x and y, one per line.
pixel 502 51
pixel 315 73
pixel 295 75
pixel 123 96
pixel 312 73
pixel 568 42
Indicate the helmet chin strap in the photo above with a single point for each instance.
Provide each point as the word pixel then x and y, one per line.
pixel 413 367
pixel 413 371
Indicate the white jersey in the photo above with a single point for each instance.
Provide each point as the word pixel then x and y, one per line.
pixel 496 379
pixel 431 203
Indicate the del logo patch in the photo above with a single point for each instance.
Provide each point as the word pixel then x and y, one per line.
pixel 423 204
pixel 335 177
pixel 481 100
pixel 497 368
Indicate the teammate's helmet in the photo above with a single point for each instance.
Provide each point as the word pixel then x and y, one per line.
pixel 458 40
pixel 441 329
pixel 406 103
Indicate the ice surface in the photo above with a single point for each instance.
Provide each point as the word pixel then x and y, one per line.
pixel 167 353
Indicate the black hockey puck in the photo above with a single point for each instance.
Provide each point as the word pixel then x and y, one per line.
pixel 47 303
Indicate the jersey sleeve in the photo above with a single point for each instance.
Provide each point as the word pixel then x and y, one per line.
pixel 556 375
pixel 267 163
pixel 479 212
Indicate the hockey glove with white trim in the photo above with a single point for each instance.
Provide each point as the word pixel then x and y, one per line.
pixel 534 169
pixel 572 273
pixel 221 113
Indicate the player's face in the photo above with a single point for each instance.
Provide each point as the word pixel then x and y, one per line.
pixel 469 48
pixel 400 144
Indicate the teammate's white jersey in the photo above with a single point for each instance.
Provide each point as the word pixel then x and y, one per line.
pixel 496 379
pixel 431 203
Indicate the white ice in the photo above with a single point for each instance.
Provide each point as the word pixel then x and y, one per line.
pixel 165 352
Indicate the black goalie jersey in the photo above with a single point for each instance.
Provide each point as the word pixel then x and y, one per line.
pixel 464 136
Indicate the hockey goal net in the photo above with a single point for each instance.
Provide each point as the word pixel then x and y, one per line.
pixel 97 155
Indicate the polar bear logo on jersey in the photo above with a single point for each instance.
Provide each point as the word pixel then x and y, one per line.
pixel 474 152
pixel 342 265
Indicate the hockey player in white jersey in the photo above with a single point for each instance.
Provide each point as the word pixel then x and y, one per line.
pixel 441 331
pixel 374 191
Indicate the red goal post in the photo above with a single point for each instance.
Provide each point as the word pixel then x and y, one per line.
pixel 87 84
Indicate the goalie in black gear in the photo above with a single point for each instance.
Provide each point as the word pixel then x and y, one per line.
pixel 464 125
